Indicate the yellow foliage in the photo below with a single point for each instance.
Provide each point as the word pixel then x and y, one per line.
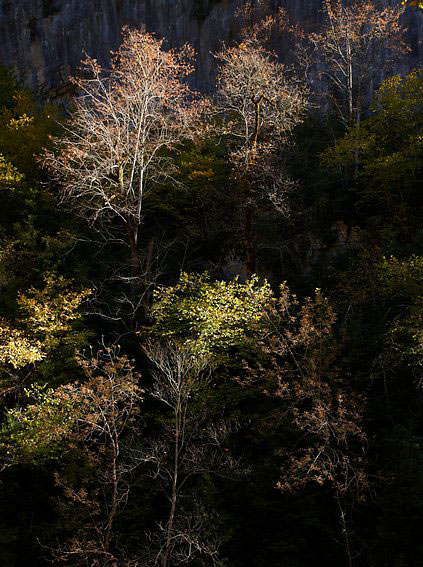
pixel 21 122
pixel 52 309
pixel 197 174
pixel 210 315
pixel 417 3
pixel 9 175
pixel 16 349
pixel 46 318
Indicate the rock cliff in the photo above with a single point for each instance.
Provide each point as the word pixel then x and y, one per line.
pixel 44 40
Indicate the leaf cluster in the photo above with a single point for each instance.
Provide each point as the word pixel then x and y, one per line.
pixel 211 316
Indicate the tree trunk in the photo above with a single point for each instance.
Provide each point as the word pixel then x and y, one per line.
pixel 136 270
pixel 356 150
pixel 147 299
pixel 132 231
pixel 250 253
pixel 248 206
pixel 114 503
pixel 171 520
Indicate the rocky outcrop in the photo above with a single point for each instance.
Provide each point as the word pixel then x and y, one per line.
pixel 44 40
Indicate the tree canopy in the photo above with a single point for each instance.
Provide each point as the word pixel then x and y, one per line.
pixel 211 305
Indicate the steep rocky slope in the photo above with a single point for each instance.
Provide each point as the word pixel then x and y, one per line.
pixel 44 40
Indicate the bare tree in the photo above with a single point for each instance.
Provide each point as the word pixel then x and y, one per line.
pixel 271 26
pixel 189 447
pixel 118 142
pixel 261 106
pixel 317 399
pixel 107 407
pixel 358 44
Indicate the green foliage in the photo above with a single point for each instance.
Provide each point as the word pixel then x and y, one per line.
pixel 199 213
pixel 7 87
pixel 34 433
pixel 51 311
pixel 400 278
pixel 46 321
pixel 29 218
pixel 211 316
pixel 9 175
pixel 401 283
pixel 314 387
pixel 55 419
pixel 24 126
pixel 387 148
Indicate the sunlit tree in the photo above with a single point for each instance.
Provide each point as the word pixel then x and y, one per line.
pixel 46 320
pixel 119 140
pixel 260 106
pixel 358 43
pixel 98 418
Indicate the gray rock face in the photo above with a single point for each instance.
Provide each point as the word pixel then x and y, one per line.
pixel 45 40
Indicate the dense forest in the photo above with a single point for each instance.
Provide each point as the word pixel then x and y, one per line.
pixel 211 308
